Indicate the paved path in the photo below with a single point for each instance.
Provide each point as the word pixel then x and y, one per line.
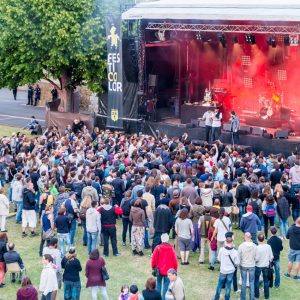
pixel 17 113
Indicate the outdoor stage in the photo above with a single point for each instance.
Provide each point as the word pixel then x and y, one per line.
pixel 182 57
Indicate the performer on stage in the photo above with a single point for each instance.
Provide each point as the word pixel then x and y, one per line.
pixel 151 108
pixel 234 128
pixel 216 124
pixel 208 118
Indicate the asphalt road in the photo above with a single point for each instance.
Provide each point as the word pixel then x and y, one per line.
pixel 16 112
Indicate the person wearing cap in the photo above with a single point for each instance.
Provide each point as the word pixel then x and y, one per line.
pixel 176 290
pixel 163 259
pixel 247 253
pixel 250 222
pixel 263 258
pixel 71 277
pixel 229 261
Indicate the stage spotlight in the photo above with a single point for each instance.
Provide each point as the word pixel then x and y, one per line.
pixel 287 41
pixel 235 39
pixel 250 39
pixel 271 41
pixel 198 36
pixel 222 39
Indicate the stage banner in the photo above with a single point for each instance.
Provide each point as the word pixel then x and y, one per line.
pixel 114 72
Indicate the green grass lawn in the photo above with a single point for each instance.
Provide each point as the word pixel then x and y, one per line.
pixel 199 282
pixel 8 130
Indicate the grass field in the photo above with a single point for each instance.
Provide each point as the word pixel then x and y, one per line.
pixel 8 130
pixel 199 282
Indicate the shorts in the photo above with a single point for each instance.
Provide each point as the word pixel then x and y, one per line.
pixel 29 217
pixel 184 244
pixel 294 255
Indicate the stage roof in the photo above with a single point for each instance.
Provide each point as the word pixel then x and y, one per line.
pixel 227 10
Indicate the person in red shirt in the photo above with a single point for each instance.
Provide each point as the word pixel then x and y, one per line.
pixel 163 259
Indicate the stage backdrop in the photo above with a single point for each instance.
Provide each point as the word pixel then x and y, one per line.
pixel 114 72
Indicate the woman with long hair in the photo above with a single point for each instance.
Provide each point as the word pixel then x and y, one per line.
pixel 47 225
pixel 185 232
pixel 197 210
pixel 93 274
pixel 71 277
pixel 137 217
pixel 85 204
pixel 269 212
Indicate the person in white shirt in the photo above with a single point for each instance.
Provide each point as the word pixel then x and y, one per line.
pixel 294 175
pixel 93 227
pixel 48 281
pixel 208 118
pixel 222 225
pixel 263 258
pixel 229 260
pixel 216 124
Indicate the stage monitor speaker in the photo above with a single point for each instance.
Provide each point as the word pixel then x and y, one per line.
pixel 282 134
pixel 130 60
pixel 190 125
pixel 152 80
pixel 257 131
pixel 196 142
pixel 195 122
pixel 267 135
pixel 245 129
pixel 227 127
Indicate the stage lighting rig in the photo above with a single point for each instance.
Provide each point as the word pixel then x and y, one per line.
pixel 271 41
pixel 250 39
pixel 198 36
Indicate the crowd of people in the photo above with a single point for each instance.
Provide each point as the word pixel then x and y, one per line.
pixel 159 189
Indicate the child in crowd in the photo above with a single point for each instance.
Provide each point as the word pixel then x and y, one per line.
pixel 124 292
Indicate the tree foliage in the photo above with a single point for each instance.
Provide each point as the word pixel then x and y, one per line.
pixel 64 40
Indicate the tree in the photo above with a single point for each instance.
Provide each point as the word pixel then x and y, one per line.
pixel 59 39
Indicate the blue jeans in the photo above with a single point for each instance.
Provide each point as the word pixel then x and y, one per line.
pixel 277 272
pixel 295 214
pixel 63 239
pixel 293 187
pixel 19 205
pixel 284 226
pixel 244 272
pixel 242 211
pixel 212 258
pixel 227 280
pixel 91 241
pixel 265 273
pixel 146 237
pixel 162 285
pixel 72 231
pixel 84 238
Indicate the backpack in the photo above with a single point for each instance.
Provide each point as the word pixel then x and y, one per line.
pixel 82 213
pixel 270 210
pixel 126 206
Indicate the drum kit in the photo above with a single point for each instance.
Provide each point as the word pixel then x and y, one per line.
pixel 267 110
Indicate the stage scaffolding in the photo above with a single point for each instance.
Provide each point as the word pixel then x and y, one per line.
pixel 260 29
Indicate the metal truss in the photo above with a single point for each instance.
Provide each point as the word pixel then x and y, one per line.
pixel 141 57
pixel 261 29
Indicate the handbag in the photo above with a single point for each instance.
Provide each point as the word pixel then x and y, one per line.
pixel 104 273
pixel 47 235
pixel 235 210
